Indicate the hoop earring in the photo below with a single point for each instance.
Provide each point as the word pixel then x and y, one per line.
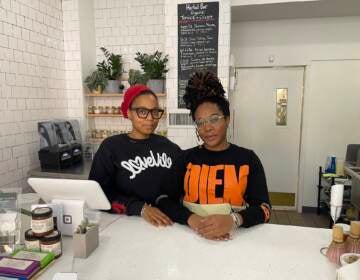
pixel 198 138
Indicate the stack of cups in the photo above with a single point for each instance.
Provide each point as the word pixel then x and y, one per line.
pixel 336 201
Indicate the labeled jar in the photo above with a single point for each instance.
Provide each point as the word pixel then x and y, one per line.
pixel 104 134
pixel 31 241
pixel 109 110
pixel 97 110
pixel 42 222
pixel 93 134
pixel 98 134
pixel 90 110
pixel 52 243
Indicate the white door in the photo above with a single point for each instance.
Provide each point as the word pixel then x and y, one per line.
pixel 257 125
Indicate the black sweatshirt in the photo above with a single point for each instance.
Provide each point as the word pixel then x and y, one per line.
pixel 233 176
pixel 131 172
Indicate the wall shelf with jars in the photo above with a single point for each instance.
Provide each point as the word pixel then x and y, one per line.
pixel 104 95
pixel 116 94
pixel 104 117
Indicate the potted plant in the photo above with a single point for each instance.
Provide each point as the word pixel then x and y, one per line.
pixel 96 82
pixel 137 77
pixel 112 68
pixel 154 66
pixel 85 239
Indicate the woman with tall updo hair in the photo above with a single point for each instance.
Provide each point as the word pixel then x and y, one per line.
pixel 221 186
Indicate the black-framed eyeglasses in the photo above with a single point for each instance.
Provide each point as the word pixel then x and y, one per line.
pixel 213 120
pixel 143 113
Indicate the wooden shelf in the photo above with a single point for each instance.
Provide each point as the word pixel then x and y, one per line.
pixel 98 141
pixel 116 95
pixel 95 141
pixel 114 115
pixel 104 115
pixel 104 94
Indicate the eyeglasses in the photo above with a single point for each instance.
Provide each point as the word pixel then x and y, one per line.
pixel 143 113
pixel 213 120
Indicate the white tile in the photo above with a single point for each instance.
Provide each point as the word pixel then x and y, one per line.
pixel 10 17
pixel 4 41
pixel 24 10
pixel 17 151
pixel 11 104
pixel 6 4
pixel 7 154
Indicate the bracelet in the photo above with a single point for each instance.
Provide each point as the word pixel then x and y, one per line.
pixel 143 210
pixel 237 219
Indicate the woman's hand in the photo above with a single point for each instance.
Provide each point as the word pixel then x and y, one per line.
pixel 194 221
pixel 154 216
pixel 216 226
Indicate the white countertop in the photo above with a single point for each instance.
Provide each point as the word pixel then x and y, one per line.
pixel 132 249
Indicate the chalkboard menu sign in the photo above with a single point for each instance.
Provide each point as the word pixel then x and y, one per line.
pixel 198 33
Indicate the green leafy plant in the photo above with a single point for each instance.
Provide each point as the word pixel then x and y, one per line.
pixel 96 81
pixel 154 65
pixel 84 226
pixel 111 66
pixel 137 77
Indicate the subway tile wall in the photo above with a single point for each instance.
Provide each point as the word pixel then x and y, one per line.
pixel 32 81
pixel 126 27
pixel 73 74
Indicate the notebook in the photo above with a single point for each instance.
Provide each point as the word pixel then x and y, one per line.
pixel 43 257
pixel 14 267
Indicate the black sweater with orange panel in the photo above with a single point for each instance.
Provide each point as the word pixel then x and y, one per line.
pixel 233 178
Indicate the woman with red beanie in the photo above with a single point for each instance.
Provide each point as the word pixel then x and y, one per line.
pixel 132 168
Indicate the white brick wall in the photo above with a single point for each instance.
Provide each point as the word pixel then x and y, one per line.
pixel 126 27
pixel 74 89
pixel 32 81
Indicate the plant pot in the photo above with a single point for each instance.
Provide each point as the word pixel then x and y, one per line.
pixel 84 244
pixel 97 91
pixel 157 86
pixel 113 86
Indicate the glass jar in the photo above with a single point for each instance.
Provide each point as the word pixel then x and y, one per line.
pixel 52 243
pixel 104 134
pixel 97 110
pixel 31 241
pixel 98 134
pixel 42 222
pixel 108 110
pixel 90 110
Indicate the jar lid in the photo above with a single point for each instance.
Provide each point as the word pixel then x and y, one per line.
pixel 355 229
pixel 41 212
pixel 29 235
pixel 54 236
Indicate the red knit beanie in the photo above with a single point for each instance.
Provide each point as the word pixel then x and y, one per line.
pixel 130 95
